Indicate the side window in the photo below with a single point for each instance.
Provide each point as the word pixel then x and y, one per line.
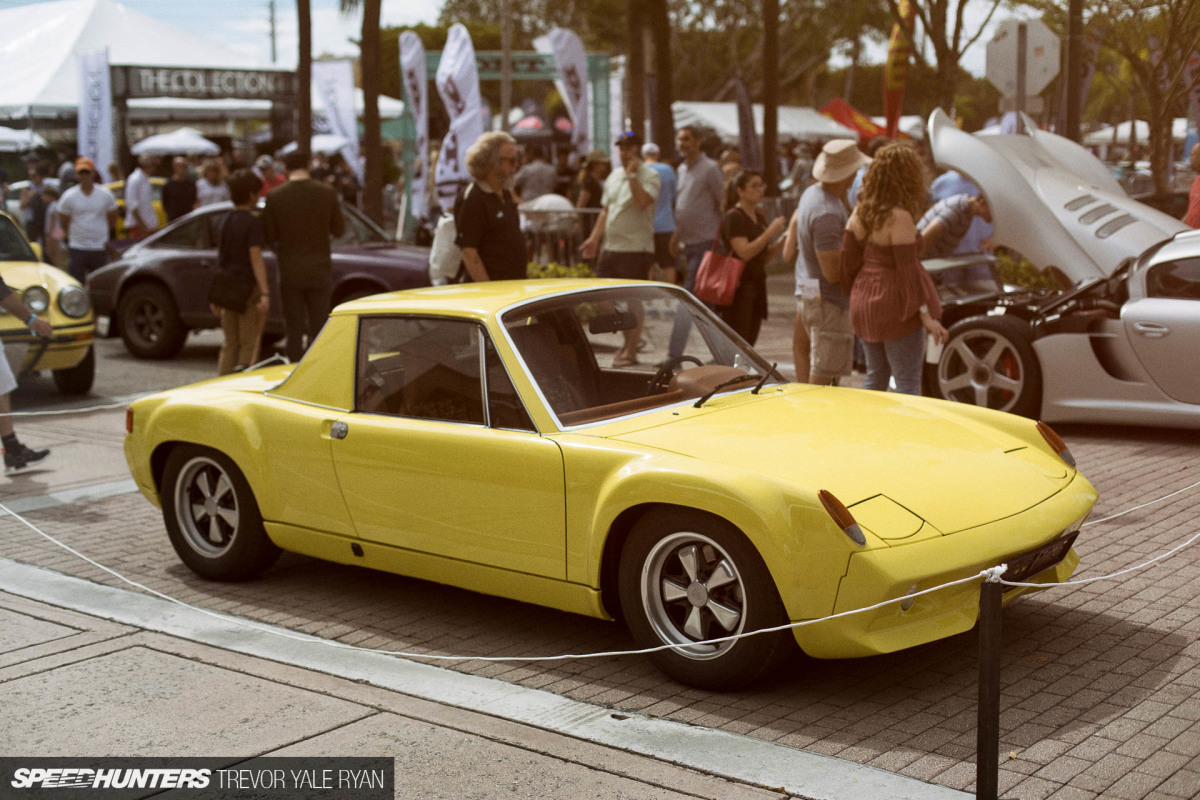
pixel 197 234
pixel 505 408
pixel 420 367
pixel 1176 279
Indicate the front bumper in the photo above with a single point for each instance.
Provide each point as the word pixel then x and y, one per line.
pixel 892 572
pixel 65 348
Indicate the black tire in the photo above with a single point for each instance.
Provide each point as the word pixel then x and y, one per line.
pixel 656 560
pixel 990 362
pixel 79 378
pixel 149 322
pixel 212 517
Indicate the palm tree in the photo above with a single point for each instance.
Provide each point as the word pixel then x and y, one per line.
pixel 372 77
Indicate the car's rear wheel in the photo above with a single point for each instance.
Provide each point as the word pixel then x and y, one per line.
pixel 212 517
pixel 149 322
pixel 79 378
pixel 989 361
pixel 686 577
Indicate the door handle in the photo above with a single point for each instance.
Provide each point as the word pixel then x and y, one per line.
pixel 338 430
pixel 1151 330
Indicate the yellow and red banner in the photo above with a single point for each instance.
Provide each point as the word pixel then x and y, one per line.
pixel 895 70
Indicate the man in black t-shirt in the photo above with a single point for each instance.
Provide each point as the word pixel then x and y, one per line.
pixel 179 193
pixel 302 215
pixel 489 227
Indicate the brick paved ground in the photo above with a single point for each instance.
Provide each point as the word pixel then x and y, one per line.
pixel 1101 682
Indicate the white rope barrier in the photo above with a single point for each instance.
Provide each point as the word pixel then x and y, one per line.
pixel 989 575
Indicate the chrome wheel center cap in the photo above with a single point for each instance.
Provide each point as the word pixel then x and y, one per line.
pixel 210 507
pixel 697 594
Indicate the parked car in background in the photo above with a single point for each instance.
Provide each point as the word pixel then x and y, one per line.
pixel 12 199
pixel 158 290
pixel 481 436
pixel 1123 344
pixel 118 190
pixel 55 296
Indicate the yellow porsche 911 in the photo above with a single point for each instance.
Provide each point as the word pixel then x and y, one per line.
pixel 479 435
pixel 55 296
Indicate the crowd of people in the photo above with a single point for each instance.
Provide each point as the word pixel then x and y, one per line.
pixel 861 227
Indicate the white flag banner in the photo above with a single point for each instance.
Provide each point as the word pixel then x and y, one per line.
pixel 570 60
pixel 334 83
pixel 416 81
pixel 95 109
pixel 458 84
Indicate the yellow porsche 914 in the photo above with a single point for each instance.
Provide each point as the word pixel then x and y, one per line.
pixel 480 436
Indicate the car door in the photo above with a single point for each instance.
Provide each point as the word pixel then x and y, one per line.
pixel 439 455
pixel 1164 327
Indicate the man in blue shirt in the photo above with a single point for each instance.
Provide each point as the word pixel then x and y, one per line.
pixel 664 212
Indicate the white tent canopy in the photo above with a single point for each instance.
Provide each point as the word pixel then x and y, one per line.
pixel 1106 135
pixel 40 78
pixel 19 141
pixel 184 141
pixel 799 122
pixel 327 143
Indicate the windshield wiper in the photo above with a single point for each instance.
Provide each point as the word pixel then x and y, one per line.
pixel 722 385
pixel 758 386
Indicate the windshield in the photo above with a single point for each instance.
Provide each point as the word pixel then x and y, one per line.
pixel 13 246
pixel 575 348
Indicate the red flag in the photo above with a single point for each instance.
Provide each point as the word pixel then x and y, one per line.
pixel 843 113
pixel 895 71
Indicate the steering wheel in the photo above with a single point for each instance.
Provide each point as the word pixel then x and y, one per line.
pixel 666 371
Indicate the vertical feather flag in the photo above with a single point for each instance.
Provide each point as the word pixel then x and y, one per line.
pixel 895 70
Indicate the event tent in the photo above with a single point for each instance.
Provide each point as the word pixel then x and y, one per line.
pixel 184 141
pixel 799 122
pixel 19 141
pixel 40 77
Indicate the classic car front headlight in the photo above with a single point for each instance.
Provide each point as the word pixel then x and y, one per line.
pixel 37 298
pixel 74 301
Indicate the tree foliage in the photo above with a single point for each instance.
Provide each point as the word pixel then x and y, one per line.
pixel 947 32
pixel 1142 71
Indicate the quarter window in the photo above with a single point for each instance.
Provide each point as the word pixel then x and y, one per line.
pixel 420 367
pixel 1175 279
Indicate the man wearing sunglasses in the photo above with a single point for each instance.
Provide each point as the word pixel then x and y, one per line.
pixel 626 226
pixel 86 211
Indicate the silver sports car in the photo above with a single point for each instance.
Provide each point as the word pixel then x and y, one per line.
pixel 1123 344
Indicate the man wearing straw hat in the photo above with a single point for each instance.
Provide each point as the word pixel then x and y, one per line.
pixel 823 342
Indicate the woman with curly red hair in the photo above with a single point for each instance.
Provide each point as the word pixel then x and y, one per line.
pixel 893 302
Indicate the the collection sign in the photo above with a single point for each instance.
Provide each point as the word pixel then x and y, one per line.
pixel 205 84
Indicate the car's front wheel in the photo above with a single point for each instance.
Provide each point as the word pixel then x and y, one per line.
pixel 79 378
pixel 687 577
pixel 989 361
pixel 212 517
pixel 149 322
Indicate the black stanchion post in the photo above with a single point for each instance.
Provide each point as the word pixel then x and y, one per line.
pixel 987 751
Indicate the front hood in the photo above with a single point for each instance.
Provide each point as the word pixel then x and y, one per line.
pixel 1051 200
pixel 943 465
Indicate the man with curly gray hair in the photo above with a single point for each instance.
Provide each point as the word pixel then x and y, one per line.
pixel 485 215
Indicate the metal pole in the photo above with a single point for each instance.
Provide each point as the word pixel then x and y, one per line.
pixel 987 751
pixel 1022 46
pixel 505 62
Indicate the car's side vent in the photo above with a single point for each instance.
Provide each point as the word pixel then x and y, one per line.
pixel 1080 202
pixel 1097 213
pixel 1113 225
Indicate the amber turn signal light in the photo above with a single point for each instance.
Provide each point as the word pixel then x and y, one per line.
pixel 842 517
pixel 1056 443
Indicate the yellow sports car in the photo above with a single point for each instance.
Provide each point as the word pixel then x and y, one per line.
pixel 479 435
pixel 118 190
pixel 53 295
